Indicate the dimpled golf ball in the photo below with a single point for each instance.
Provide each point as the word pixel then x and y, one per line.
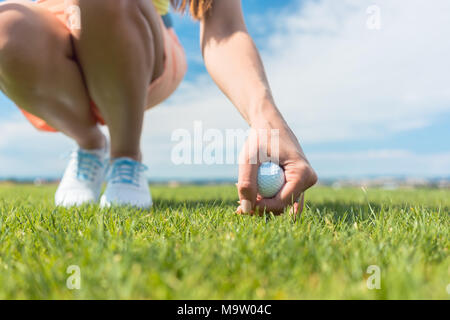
pixel 270 179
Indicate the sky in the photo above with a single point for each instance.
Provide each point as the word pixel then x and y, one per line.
pixel 365 86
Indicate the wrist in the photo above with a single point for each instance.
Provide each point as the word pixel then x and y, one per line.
pixel 266 115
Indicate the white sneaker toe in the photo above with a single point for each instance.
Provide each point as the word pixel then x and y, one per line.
pixel 127 185
pixel 83 178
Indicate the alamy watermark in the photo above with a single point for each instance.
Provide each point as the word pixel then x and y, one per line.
pixel 73 282
pixel 214 146
pixel 374 18
pixel 73 13
pixel 374 281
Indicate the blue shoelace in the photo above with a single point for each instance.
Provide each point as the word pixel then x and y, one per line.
pixel 126 171
pixel 87 165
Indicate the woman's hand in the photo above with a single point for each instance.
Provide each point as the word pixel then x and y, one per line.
pixel 299 174
pixel 234 63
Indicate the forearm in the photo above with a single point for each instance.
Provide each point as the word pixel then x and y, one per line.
pixel 235 65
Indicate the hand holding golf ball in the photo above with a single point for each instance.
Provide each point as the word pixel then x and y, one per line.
pixel 270 179
pixel 268 187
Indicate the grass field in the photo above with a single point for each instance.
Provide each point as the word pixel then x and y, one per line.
pixel 191 245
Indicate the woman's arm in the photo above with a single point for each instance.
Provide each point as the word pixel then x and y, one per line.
pixel 234 64
pixel 233 60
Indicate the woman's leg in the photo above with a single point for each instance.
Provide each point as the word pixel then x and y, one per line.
pixel 121 49
pixel 39 73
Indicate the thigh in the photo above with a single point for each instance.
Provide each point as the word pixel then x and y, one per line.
pixel 32 31
pixel 175 67
pixel 33 42
pixel 100 18
pixel 43 10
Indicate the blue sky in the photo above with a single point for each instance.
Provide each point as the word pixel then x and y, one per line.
pixel 362 102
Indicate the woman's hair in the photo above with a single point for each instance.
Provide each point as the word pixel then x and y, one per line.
pixel 197 8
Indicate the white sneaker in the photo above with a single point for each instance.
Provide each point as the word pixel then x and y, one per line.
pixel 127 185
pixel 83 178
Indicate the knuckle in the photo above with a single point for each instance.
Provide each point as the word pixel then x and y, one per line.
pixel 306 174
pixel 309 176
pixel 314 178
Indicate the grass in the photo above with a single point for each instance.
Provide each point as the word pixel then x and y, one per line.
pixel 191 245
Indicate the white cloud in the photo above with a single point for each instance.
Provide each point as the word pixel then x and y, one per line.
pixel 27 152
pixel 333 79
pixel 337 80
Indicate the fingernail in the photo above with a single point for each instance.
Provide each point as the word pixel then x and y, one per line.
pixel 296 207
pixel 246 206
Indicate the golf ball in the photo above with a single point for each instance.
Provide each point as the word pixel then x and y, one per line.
pixel 270 179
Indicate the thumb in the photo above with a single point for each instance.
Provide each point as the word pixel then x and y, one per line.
pixel 248 181
pixel 247 188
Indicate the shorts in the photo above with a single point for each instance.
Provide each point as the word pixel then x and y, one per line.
pixel 175 67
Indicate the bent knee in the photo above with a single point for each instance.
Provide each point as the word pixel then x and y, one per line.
pixel 26 45
pixel 14 43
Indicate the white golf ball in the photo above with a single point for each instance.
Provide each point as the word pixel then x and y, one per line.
pixel 270 179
